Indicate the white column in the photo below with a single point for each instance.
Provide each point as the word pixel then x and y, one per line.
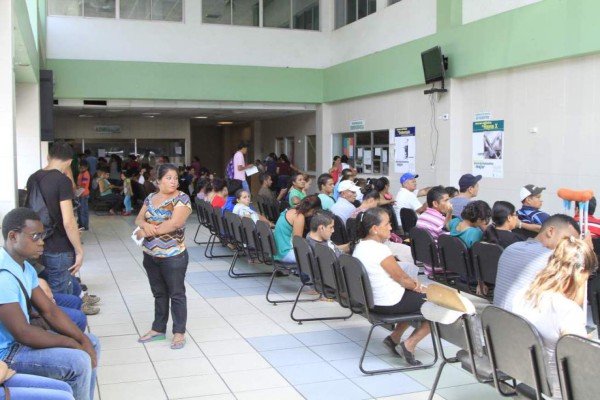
pixel 323 129
pixel 28 131
pixel 8 162
pixel 257 139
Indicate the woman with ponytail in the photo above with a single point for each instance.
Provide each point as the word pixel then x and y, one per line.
pixel 504 220
pixel 394 291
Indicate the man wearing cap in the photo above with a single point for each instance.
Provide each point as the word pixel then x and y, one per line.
pixel 406 197
pixel 530 215
pixel 468 186
pixel 344 206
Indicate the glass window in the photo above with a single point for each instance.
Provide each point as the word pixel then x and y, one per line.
pixel 381 137
pixel 65 7
pixel 99 8
pixel 311 152
pixel 368 151
pixel 245 12
pixel 348 11
pixel 276 13
pixel 393 2
pixel 167 10
pixel 216 12
pixel 135 9
pixel 363 138
pixel 306 14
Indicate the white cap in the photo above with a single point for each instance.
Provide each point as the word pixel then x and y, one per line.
pixel 348 185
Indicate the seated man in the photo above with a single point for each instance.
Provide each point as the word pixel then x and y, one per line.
pixel 438 213
pixel 406 197
pixel 68 354
pixel 344 206
pixel 521 261
pixel 347 175
pixel 265 191
pixel 325 185
pixel 593 222
pixel 530 215
pixel 468 186
pixel 321 229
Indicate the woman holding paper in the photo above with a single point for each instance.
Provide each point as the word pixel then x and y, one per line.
pixel 162 225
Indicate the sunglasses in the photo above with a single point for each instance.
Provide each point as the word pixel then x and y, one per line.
pixel 36 235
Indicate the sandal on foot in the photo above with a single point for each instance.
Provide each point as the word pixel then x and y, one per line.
pixel 407 355
pixel 147 338
pixel 390 344
pixel 178 344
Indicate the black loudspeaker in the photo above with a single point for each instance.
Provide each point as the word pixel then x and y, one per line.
pixel 46 106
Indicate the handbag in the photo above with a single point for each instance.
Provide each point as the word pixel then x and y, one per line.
pixel 35 318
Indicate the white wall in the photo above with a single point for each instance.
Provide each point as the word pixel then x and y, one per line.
pixel 139 128
pixel 474 10
pixel 193 42
pixel 28 131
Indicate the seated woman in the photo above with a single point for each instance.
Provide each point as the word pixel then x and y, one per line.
pixel 233 185
pixel 106 192
pixel 504 220
pixel 242 207
pixel 370 200
pixel 474 219
pixel 296 189
pixel 554 300
pixel 220 193
pixel 394 291
pixel 202 185
pixel 291 223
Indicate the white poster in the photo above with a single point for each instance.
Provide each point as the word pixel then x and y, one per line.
pixel 404 140
pixel 488 148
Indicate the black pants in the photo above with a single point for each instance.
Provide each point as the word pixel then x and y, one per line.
pixel 410 302
pixel 114 200
pixel 166 276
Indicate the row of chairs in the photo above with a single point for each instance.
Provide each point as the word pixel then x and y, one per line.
pixel 513 360
pixel 453 264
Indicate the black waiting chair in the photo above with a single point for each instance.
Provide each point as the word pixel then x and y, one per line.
pixel 202 219
pixel 515 350
pixel 240 243
pixel 352 229
pixel 408 219
pixel 425 252
pixel 485 257
pixel 332 280
pixel 218 231
pixel 593 291
pixel 340 236
pixel 577 360
pixel 360 296
pixel 456 260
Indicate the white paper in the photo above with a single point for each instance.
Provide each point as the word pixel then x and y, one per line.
pixel 384 155
pixel 178 150
pixel 367 157
pixel 134 237
pixel 359 152
pixel 377 151
pixel 251 171
pixel 405 150
pixel 101 152
pixel 488 148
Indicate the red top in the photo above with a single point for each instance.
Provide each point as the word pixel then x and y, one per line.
pixel 593 225
pixel 218 201
pixel 83 181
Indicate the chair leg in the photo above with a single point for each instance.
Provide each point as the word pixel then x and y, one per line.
pixel 390 370
pixel 437 379
pixel 211 246
pixel 275 302
pixel 196 236
pixel 300 320
pixel 233 274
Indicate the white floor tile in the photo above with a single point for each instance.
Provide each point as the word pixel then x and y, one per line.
pixel 181 368
pixel 147 390
pixel 205 385
pixel 241 381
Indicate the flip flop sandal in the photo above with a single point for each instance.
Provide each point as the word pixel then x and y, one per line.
pixel 152 338
pixel 178 344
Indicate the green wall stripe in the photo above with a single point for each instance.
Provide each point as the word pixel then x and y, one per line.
pixel 144 80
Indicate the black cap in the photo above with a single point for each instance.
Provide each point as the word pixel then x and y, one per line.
pixel 468 180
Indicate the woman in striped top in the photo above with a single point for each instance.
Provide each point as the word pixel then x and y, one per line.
pixel 162 225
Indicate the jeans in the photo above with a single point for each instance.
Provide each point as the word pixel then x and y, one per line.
pixel 246 186
pixel 166 276
pixel 69 365
pixel 57 270
pixel 76 287
pixel 77 316
pixel 31 387
pixel 83 212
pixel 127 203
pixel 71 305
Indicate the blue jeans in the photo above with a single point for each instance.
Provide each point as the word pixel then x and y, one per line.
pixel 57 270
pixel 77 316
pixel 127 203
pixel 246 186
pixel 83 212
pixel 31 387
pixel 166 276
pixel 69 365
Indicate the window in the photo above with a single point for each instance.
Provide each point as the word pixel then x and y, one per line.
pixel 288 14
pixel 393 2
pixel 311 153
pixel 368 151
pixel 348 11
pixel 156 10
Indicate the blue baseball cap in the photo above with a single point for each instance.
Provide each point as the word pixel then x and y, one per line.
pixel 407 176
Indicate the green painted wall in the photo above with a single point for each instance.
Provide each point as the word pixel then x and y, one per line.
pixel 143 80
pixel 545 31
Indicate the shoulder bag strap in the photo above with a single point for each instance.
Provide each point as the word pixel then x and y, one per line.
pixel 27 299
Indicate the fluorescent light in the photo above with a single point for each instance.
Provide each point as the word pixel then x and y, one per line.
pixel 201 117
pixel 150 113
pixel 85 116
pixel 147 116
pixel 225 123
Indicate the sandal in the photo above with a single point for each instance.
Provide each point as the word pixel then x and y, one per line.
pixel 147 338
pixel 407 355
pixel 178 344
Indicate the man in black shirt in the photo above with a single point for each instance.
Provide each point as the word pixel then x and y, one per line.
pixel 63 253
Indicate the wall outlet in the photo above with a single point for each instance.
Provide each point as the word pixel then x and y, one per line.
pixel 533 130
pixel 445 117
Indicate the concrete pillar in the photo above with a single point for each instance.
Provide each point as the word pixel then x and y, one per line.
pixel 28 131
pixel 324 136
pixel 8 162
pixel 257 138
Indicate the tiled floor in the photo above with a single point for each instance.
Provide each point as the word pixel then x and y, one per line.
pixel 239 346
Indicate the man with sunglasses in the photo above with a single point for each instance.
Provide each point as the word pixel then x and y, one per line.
pixel 65 354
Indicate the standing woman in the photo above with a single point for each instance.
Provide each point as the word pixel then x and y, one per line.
pixel 162 225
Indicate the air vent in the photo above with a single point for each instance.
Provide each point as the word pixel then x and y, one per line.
pixel 94 103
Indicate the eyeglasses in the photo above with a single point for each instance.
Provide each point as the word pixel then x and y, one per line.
pixel 36 235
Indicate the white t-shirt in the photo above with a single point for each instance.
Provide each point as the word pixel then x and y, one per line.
pixel 245 211
pixel 405 199
pixel 554 317
pixel 386 291
pixel 238 159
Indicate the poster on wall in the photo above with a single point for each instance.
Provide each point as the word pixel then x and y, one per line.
pixel 348 147
pixel 488 148
pixel 404 141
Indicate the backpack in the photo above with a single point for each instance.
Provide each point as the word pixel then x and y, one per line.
pixel 229 169
pixel 35 200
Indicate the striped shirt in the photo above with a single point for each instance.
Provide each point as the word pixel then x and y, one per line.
pixel 518 265
pixel 168 244
pixel 432 221
pixel 532 215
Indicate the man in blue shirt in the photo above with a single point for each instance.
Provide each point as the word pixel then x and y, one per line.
pixel 65 354
pixel 530 215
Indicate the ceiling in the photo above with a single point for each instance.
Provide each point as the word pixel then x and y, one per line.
pixel 214 112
